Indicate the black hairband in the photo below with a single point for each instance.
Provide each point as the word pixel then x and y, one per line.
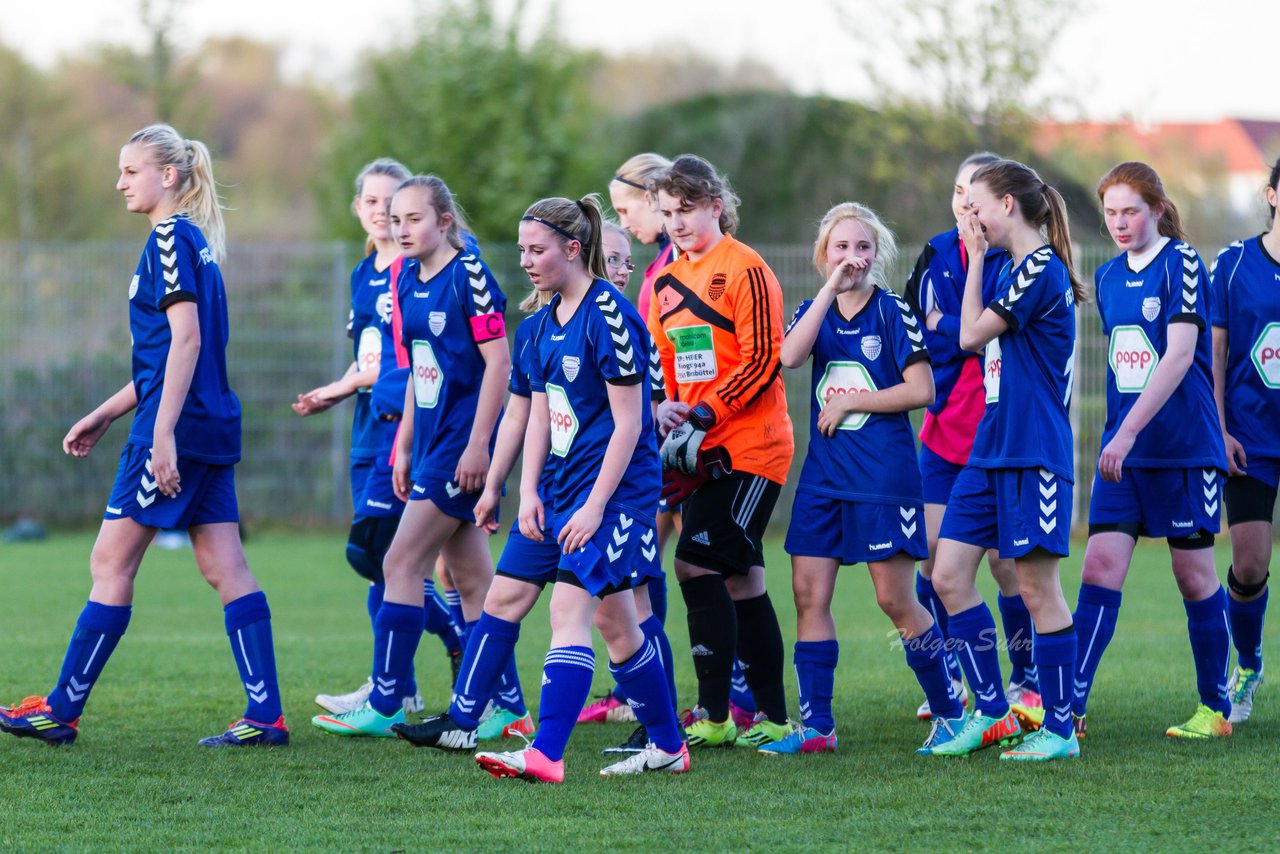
pixel 630 183
pixel 550 225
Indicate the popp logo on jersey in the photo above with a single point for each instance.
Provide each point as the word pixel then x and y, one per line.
pixel 1132 358
pixel 564 422
pixel 991 366
pixel 845 378
pixel 1266 355
pixel 428 378
pixel 369 353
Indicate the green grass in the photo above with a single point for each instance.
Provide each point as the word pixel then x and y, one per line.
pixel 136 781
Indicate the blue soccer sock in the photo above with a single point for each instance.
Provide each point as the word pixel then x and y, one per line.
pixel 1247 619
pixel 97 632
pixel 1019 638
pixel 926 655
pixel 1095 621
pixel 657 588
pixel 657 635
pixel 1055 657
pixel 395 641
pixel 975 632
pixel 439 621
pixel 482 665
pixel 248 622
pixel 816 678
pixel 566 682
pixel 642 677
pixel 373 601
pixel 739 692
pixel 453 599
pixel 1210 633
pixel 510 693
pixel 928 597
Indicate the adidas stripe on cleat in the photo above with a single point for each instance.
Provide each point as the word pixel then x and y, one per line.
pixel 32 718
pixel 651 758
pixel 979 731
pixel 247 733
pixel 764 731
pixel 438 731
pixel 704 732
pixel 529 764
pixel 364 721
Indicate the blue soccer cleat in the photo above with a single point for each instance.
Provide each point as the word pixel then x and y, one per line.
pixel 247 733
pixel 32 718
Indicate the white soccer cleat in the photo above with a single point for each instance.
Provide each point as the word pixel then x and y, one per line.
pixel 650 759
pixel 338 704
pixel 1244 683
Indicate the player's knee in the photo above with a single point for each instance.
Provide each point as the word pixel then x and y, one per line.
pixel 367 546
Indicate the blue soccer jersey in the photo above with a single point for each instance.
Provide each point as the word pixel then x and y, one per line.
pixel 1137 308
pixel 872 457
pixel 177 265
pixel 604 342
pixel 522 356
pixel 1028 370
pixel 1246 303
pixel 937 282
pixel 444 322
pixel 369 330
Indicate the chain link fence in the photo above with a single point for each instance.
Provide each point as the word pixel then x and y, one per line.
pixel 64 339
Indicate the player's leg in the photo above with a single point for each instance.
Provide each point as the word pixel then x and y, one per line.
pixel 113 566
pixel 1208 626
pixel 1250 507
pixel 1016 620
pixel 1055 659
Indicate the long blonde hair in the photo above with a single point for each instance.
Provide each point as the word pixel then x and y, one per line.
pixel 197 191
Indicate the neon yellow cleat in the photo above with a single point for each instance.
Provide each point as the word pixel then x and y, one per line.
pixel 704 732
pixel 1205 723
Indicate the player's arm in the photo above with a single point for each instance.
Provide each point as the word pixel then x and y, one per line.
pixel 180 366
pixel 797 344
pixel 400 482
pixel 537 444
pixel 625 404
pixel 474 463
pixel 506 451
pixel 1236 458
pixel 86 432
pixel 979 325
pixel 322 398
pixel 1180 350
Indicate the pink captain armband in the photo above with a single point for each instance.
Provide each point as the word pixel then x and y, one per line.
pixel 487 327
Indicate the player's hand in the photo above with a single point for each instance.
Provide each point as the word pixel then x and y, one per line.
pixel 975 239
pixel 85 433
pixel 838 406
pixel 670 415
pixel 164 464
pixel 1111 460
pixel 680 448
pixel 533 517
pixel 580 528
pixel 472 468
pixel 676 487
pixel 845 275
pixel 400 482
pixel 1235 451
pixel 486 509
pixel 932 320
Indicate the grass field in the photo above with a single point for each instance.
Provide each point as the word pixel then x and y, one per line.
pixel 135 779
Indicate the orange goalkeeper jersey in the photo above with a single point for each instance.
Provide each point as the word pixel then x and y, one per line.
pixel 717 323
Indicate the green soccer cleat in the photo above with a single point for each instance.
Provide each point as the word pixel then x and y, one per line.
pixel 1205 723
pixel 978 732
pixel 504 723
pixel 1244 682
pixel 704 732
pixel 363 721
pixel 1043 746
pixel 764 731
